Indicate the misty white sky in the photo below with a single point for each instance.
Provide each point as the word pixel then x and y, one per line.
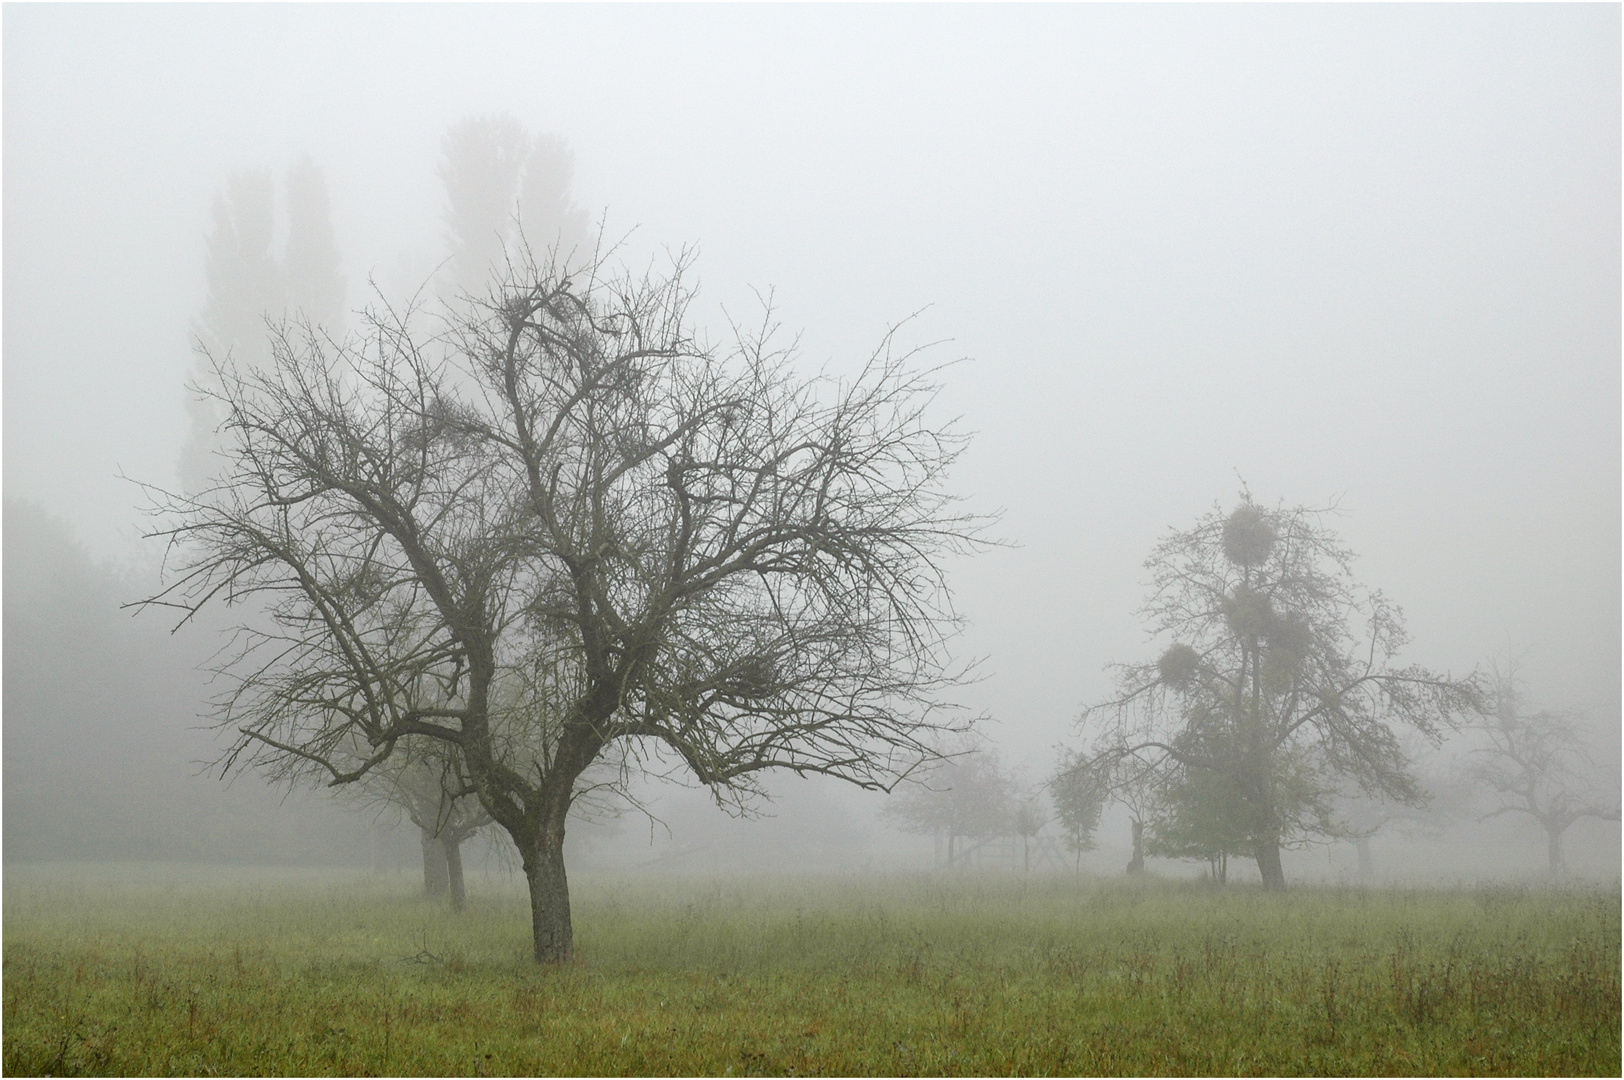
pixel 1369 253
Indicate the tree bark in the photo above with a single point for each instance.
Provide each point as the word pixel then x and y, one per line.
pixel 1136 865
pixel 436 877
pixel 452 854
pixel 1268 863
pixel 1553 847
pixel 549 900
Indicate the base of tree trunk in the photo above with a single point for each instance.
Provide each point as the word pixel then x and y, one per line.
pixel 1268 864
pixel 453 867
pixel 1553 850
pixel 436 878
pixel 550 906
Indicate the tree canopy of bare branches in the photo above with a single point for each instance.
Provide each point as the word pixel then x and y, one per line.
pixel 565 529
pixel 965 796
pixel 1279 677
pixel 1537 764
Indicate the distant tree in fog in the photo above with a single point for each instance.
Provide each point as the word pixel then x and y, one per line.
pixel 244 278
pixel 248 285
pixel 1078 801
pixel 566 531
pixel 1279 682
pixel 1360 816
pixel 312 285
pixel 495 175
pixel 1539 765
pixel 100 715
pixel 966 796
pixel 1027 820
pixel 69 666
pixel 1201 814
pixel 426 783
pixel 1084 787
pixel 503 184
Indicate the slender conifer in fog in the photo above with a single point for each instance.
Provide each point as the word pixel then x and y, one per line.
pixel 1279 680
pixel 312 284
pixel 564 531
pixel 503 183
pixel 249 286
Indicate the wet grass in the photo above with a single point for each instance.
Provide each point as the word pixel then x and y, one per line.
pixel 775 976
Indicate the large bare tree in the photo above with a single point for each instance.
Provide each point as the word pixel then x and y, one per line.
pixel 565 529
pixel 1279 679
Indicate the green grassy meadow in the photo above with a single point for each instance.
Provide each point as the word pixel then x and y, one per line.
pixel 215 973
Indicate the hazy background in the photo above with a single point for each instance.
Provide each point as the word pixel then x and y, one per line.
pixel 1368 254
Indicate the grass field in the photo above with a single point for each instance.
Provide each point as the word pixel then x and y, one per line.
pixel 335 974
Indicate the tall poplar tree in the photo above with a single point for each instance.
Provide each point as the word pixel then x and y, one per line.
pixel 503 183
pixel 248 285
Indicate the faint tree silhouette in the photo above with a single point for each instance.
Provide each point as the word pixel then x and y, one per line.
pixel 1537 764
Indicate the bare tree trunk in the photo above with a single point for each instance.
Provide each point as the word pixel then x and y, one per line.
pixel 451 852
pixel 1367 868
pixel 1268 863
pixel 1136 865
pixel 1553 846
pixel 549 900
pixel 436 877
